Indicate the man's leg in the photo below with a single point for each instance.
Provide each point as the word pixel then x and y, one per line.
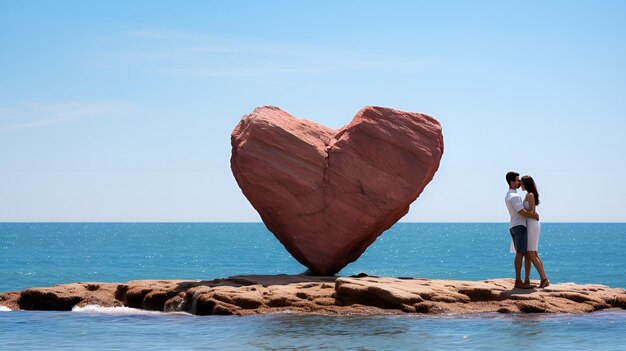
pixel 520 239
pixel 518 267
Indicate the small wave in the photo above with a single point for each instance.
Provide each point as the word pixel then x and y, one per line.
pixel 4 309
pixel 119 310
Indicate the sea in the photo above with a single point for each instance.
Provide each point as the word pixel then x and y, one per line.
pixel 45 254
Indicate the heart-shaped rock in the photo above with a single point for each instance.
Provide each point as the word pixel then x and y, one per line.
pixel 328 194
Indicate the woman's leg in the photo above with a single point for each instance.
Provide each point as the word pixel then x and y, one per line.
pixel 538 264
pixel 527 260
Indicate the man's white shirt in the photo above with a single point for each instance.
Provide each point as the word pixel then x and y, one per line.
pixel 514 204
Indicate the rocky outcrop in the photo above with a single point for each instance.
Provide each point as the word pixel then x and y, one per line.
pixel 328 194
pixel 245 295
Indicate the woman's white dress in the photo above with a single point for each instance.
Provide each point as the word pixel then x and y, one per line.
pixel 533 228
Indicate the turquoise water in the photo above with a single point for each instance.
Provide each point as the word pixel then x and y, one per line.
pixel 44 254
pixel 54 253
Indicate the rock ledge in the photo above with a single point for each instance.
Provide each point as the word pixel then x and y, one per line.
pixel 254 294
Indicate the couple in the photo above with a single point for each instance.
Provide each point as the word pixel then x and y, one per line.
pixel 524 227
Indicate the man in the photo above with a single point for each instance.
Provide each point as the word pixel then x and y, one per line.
pixel 517 225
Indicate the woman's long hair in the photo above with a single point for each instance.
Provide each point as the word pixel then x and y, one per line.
pixel 530 186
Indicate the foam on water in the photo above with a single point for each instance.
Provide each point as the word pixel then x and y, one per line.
pixel 4 309
pixel 119 310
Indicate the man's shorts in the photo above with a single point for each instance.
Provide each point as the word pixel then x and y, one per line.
pixel 520 238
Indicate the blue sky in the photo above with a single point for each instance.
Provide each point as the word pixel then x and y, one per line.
pixel 122 110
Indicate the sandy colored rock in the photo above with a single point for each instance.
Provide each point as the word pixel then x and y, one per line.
pixel 328 194
pixel 253 294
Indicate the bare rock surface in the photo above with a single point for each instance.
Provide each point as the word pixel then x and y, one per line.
pixel 328 194
pixel 254 294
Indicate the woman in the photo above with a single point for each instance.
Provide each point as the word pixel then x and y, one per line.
pixel 534 228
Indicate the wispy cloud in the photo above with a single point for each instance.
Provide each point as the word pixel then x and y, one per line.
pixel 308 69
pixel 187 41
pixel 159 33
pixel 7 110
pixel 34 115
pixel 34 124
pixel 192 54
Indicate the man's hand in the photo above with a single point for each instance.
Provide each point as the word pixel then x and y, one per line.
pixel 526 214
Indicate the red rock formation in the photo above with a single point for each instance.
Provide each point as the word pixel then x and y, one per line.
pixel 253 294
pixel 328 194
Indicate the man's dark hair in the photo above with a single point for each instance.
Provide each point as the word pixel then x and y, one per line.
pixel 511 176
